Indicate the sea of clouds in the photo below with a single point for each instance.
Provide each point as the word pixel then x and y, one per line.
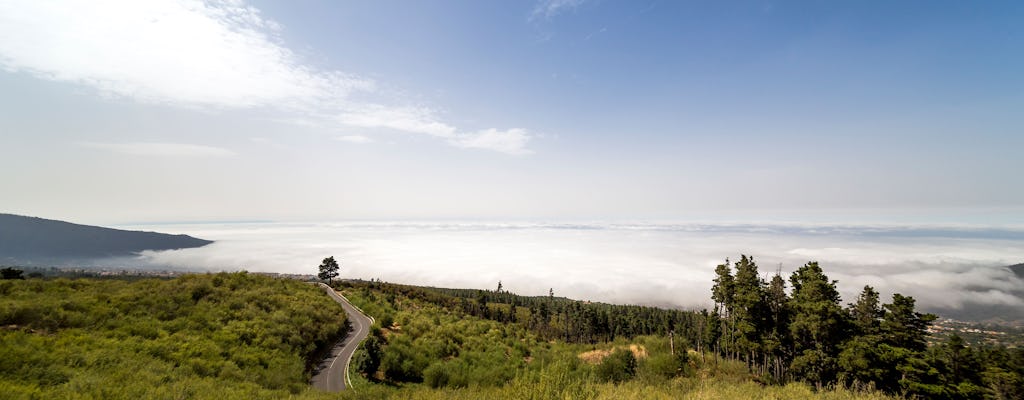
pixel 956 271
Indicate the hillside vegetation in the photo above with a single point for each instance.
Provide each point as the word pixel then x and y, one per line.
pixel 758 333
pixel 426 346
pixel 222 336
pixel 245 336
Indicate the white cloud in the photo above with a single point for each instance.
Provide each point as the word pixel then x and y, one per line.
pixel 423 120
pixel 217 53
pixel 359 139
pixel 162 149
pixel 551 8
pixel 181 52
pixel 650 264
pixel 512 141
pixel 408 119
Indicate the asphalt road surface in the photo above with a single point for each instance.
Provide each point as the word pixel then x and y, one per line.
pixel 332 373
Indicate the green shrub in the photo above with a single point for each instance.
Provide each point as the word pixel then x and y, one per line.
pixel 617 367
pixel 221 336
pixel 367 359
pixel 665 365
pixel 402 362
pixel 386 320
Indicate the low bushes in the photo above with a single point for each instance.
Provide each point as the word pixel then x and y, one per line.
pixel 198 336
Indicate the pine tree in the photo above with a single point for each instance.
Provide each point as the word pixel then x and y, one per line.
pixel 960 369
pixel 713 331
pixel 748 309
pixel 777 342
pixel 723 295
pixel 866 313
pixel 904 334
pixel 722 291
pixel 817 325
pixel 904 327
pixel 328 270
pixel 860 360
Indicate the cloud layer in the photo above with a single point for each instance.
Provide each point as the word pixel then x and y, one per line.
pixel 221 54
pixel 648 264
pixel 358 139
pixel 162 149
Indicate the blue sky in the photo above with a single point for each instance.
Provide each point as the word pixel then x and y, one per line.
pixel 182 110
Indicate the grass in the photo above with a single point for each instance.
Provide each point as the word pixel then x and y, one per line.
pixel 242 336
pixel 539 369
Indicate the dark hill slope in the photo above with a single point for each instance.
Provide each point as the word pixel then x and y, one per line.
pixel 1017 269
pixel 31 238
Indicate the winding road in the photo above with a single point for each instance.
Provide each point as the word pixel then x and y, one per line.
pixel 332 373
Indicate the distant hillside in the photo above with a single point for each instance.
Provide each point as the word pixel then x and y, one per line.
pixel 29 238
pixel 1000 314
pixel 1017 269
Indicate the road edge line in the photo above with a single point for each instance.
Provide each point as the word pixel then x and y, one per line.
pixel 348 362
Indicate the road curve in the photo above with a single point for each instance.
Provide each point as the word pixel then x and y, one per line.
pixel 332 373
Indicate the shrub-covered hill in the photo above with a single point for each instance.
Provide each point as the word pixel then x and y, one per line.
pixel 220 336
pixel 426 345
pixel 758 333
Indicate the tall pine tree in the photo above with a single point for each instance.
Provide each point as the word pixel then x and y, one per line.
pixel 777 341
pixel 817 326
pixel 904 334
pixel 748 309
pixel 860 361
pixel 722 292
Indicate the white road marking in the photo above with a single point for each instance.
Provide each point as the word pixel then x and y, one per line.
pixel 358 319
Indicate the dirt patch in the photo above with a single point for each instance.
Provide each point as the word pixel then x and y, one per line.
pixel 595 356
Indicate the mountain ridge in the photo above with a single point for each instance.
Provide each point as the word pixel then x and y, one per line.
pixel 1017 269
pixel 27 239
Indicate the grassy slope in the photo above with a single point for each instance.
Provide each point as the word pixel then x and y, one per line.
pixel 220 336
pixel 240 336
pixel 506 362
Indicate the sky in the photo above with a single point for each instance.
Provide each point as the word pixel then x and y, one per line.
pixel 117 112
